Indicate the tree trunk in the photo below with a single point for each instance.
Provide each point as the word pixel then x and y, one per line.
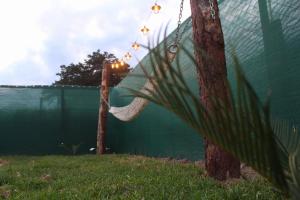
pixel 212 76
pixel 103 109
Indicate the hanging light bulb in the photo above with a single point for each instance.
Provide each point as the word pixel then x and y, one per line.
pixel 127 56
pixel 145 30
pixel 136 46
pixel 122 63
pixel 113 65
pixel 117 65
pixel 156 8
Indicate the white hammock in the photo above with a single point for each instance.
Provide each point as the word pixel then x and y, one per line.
pixel 129 112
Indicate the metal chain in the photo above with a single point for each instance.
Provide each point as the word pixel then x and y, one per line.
pixel 212 9
pixel 174 47
pixel 177 37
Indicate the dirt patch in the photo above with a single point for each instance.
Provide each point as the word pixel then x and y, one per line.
pixel 172 160
pixel 200 163
pixel 3 162
pixel 5 192
pixel 248 173
pixel 46 178
pixel 136 158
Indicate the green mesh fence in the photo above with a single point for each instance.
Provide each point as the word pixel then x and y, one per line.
pixel 37 120
pixel 266 38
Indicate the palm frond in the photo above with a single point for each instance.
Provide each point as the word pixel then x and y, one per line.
pixel 243 128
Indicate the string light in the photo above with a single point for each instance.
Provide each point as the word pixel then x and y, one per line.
pixel 156 8
pixel 122 63
pixel 135 46
pixel 145 30
pixel 127 56
pixel 119 63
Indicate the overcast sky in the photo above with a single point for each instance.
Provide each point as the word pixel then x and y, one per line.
pixel 37 36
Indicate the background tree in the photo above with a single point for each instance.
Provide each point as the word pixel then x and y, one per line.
pixel 89 72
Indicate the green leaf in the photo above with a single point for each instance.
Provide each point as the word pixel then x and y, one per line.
pixel 242 126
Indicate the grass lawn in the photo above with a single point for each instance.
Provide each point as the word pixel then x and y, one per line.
pixel 117 177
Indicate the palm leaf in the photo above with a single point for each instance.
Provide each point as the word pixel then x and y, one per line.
pixel 244 128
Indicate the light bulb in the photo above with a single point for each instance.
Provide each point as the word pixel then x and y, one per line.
pixel 145 30
pixel 136 46
pixel 127 56
pixel 156 8
pixel 122 63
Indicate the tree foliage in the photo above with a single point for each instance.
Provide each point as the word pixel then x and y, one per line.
pixel 89 72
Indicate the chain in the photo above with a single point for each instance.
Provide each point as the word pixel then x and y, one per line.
pixel 212 9
pixel 177 37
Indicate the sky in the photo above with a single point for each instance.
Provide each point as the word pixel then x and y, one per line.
pixel 37 36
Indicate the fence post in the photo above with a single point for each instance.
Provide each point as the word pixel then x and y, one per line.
pixel 103 109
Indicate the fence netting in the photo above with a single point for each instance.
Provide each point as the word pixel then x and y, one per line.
pixel 264 34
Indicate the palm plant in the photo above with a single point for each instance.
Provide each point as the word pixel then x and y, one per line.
pixel 244 128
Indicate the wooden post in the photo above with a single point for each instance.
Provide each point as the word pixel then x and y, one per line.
pixel 103 109
pixel 212 75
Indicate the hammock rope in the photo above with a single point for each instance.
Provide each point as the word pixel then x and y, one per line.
pixel 107 103
pixel 129 112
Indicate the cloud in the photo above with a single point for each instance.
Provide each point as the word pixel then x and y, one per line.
pixel 38 36
pixel 20 34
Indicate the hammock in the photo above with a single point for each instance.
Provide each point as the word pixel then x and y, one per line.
pixel 129 112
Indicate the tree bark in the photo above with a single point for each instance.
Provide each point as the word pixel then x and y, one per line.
pixel 103 109
pixel 212 76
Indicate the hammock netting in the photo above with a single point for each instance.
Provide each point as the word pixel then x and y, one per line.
pixel 266 38
pixel 132 110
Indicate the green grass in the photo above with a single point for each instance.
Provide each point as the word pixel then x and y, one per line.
pixel 117 177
